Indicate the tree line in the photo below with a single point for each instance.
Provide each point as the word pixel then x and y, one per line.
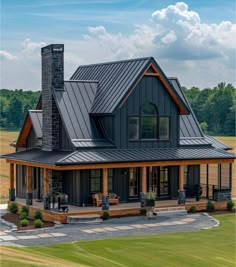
pixel 215 108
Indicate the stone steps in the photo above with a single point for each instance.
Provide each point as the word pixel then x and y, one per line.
pixel 170 211
pixel 91 218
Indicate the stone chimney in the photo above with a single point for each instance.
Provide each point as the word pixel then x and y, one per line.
pixel 52 80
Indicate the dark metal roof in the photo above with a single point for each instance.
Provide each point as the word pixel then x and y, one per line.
pixel 74 104
pixel 216 143
pixel 136 155
pixel 37 155
pixel 119 155
pixel 189 126
pixel 115 79
pixel 193 141
pixel 36 119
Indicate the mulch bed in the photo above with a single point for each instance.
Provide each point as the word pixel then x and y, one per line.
pixel 14 218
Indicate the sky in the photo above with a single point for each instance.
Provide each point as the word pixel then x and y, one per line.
pixel 193 40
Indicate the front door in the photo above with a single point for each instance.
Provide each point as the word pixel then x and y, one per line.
pixel 133 183
pixel 158 181
pixel 163 182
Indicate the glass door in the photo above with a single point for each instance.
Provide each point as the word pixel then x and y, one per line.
pixel 133 183
pixel 164 182
pixel 152 179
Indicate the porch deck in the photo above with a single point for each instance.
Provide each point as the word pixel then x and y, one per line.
pixel 123 209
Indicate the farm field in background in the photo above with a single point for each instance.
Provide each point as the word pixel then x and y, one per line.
pixel 213 247
pixel 7 137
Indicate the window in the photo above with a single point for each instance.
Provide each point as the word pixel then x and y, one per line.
pixel 95 181
pixel 148 125
pixel 164 128
pixel 148 121
pixel 148 128
pixel 110 180
pixel 133 128
pixel 133 182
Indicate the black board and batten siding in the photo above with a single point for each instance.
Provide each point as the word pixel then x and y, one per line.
pixel 151 90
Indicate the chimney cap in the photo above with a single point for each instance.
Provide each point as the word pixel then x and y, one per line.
pixel 52 48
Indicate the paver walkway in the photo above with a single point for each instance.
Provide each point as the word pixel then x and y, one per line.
pixel 128 226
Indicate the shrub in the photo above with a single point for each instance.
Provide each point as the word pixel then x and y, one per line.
pixel 23 215
pixel 38 215
pixel 230 205
pixel 210 206
pixel 13 208
pixel 106 215
pixel 192 209
pixel 25 209
pixel 38 223
pixel 143 211
pixel 24 222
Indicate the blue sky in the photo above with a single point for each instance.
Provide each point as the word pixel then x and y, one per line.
pixel 193 40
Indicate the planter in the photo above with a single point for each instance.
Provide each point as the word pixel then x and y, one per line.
pixel 181 198
pixel 150 202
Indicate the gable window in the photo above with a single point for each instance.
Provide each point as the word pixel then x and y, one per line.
pixel 133 131
pixel 95 181
pixel 148 125
pixel 148 121
pixel 164 128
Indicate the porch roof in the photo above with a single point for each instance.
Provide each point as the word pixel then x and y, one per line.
pixel 118 155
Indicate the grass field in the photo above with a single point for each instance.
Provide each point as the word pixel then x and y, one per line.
pixel 214 247
pixel 7 137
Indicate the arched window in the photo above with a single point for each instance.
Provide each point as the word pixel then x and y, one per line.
pixel 148 124
pixel 148 121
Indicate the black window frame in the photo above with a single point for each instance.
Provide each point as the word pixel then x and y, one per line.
pixel 154 115
pixel 96 178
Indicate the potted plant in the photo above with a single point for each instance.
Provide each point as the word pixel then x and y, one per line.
pixel 150 199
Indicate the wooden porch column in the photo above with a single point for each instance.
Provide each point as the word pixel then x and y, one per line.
pixel 181 177
pixel 12 174
pixel 45 182
pixel 29 195
pixel 144 180
pixel 12 195
pixel 105 182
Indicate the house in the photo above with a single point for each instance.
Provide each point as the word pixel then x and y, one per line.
pixel 120 127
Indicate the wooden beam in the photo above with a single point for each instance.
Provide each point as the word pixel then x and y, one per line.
pixel 151 74
pixel 144 179
pixel 21 142
pixel 105 181
pixel 28 179
pixel 12 174
pixel 121 165
pixel 45 182
pixel 181 177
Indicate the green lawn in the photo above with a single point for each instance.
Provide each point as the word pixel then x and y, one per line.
pixel 214 247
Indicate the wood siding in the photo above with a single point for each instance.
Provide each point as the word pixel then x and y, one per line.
pixel 149 89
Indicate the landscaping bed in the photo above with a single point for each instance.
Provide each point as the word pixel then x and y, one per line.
pixel 14 218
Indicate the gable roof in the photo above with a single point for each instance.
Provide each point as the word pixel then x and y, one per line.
pixel 74 104
pixel 189 126
pixel 116 79
pixel 33 119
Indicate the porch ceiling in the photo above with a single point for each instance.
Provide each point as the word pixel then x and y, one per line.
pixel 119 157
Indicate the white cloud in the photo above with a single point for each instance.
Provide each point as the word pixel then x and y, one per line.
pixel 199 54
pixel 6 55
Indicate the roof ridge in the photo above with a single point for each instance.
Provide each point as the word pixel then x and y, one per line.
pixel 87 81
pixel 116 61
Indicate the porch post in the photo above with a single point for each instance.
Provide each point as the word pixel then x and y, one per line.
pixel 29 195
pixel 12 195
pixel 105 182
pixel 230 176
pixel 46 202
pixel 181 199
pixel 181 177
pixel 207 179
pixel 144 180
pixel 45 182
